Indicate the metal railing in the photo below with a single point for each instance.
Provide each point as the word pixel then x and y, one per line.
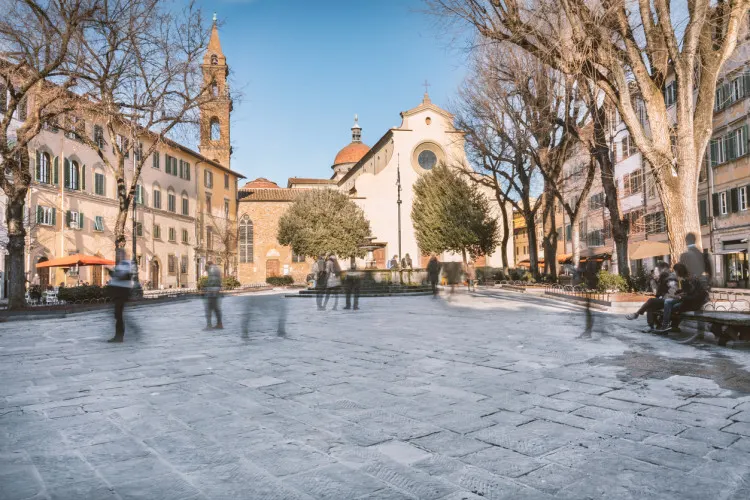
pixel 577 291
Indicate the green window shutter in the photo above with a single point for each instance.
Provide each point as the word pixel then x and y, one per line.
pixel 703 211
pixel 155 159
pixel 38 166
pixel 67 218
pixel 715 203
pixel 55 170
pixel 66 173
pixel 735 200
pixel 39 214
pixel 54 216
pixel 744 139
pixel 182 170
pixel 187 170
pixel 83 178
pixel 80 221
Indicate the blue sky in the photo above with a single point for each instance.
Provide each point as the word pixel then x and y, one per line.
pixel 305 67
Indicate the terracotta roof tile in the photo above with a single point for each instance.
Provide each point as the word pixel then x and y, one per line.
pixel 272 194
pixel 260 183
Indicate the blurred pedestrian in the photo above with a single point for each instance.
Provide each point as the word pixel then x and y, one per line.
pixel 333 283
pixel 471 274
pixel 212 295
pixel 320 276
pixel 591 281
pixel 353 285
pixel 433 274
pixel 120 284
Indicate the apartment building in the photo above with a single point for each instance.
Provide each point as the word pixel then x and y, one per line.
pixel 72 204
pixel 723 189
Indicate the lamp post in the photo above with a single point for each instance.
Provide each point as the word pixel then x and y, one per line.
pixel 398 202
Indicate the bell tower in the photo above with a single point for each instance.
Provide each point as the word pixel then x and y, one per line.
pixel 214 113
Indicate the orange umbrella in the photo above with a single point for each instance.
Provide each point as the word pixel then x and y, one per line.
pixel 77 260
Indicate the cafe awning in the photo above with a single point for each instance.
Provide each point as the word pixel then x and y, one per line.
pixel 648 248
pixel 77 260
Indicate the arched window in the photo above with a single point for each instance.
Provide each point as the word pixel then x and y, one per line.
pixel 215 129
pixel 245 240
pixel 185 204
pixel 214 59
pixel 171 201
pixel 157 196
pixel 72 175
pixel 43 168
pixel 214 89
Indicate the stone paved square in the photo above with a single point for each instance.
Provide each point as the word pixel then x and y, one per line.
pixel 488 395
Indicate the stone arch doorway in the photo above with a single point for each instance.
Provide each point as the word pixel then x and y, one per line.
pixel 154 274
pixel 43 274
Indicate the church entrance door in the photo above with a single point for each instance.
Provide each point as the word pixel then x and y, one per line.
pixel 43 274
pixel 272 268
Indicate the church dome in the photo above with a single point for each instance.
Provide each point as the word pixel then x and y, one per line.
pixel 351 153
pixel 260 183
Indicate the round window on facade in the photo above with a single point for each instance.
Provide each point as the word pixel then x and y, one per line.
pixel 427 159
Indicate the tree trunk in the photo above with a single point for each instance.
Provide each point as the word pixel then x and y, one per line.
pixel 505 238
pixel 533 247
pixel 16 250
pixel 681 213
pixel 120 228
pixel 575 240
pixel 550 233
pixel 620 230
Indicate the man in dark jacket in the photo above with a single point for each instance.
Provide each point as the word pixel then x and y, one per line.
pixel 591 280
pixel 691 297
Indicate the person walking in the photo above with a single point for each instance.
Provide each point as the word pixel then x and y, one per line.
pixel 591 281
pixel 333 284
pixel 213 296
pixel 120 284
pixel 353 285
pixel 433 274
pixel 471 274
pixel 319 272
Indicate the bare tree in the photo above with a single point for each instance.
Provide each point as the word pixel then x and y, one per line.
pixel 39 50
pixel 498 152
pixel 664 56
pixel 223 242
pixel 143 80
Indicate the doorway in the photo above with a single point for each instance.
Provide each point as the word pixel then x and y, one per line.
pixel 154 274
pixel 96 276
pixel 273 268
pixel 43 274
pixel 379 255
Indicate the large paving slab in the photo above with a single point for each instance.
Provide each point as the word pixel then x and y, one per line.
pixel 488 395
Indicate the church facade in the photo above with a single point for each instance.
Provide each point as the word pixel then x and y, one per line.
pixel 371 176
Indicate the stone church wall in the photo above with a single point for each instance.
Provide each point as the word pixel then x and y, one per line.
pixel 266 248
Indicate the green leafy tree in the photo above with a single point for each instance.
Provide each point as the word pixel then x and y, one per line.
pixel 324 221
pixel 450 214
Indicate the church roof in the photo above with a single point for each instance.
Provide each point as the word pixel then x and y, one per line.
pixel 351 153
pixel 273 194
pixel 260 183
pixel 307 180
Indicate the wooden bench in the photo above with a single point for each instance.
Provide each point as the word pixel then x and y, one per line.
pixel 725 325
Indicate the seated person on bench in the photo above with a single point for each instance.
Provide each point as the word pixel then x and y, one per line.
pixel 666 288
pixel 691 297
